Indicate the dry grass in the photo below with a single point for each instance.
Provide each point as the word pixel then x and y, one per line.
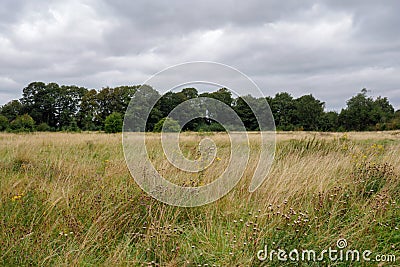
pixel 69 200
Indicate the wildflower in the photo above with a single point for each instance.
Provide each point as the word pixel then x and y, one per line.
pixel 17 197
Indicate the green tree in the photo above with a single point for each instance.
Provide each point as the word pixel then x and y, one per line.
pixel 113 123
pixel 356 116
pixel 3 123
pixel 364 113
pixel 111 100
pixel 137 116
pixel 189 93
pixel 382 110
pixel 167 125
pixel 308 113
pixel 88 109
pixel 396 120
pixel 283 109
pixel 11 110
pixel 245 113
pixel 68 102
pixel 223 95
pixel 33 98
pixel 23 123
pixel 43 127
pixel 170 100
pixel 330 121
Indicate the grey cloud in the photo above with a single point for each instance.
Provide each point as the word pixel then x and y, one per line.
pixel 329 48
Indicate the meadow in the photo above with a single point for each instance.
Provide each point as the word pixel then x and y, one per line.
pixel 68 199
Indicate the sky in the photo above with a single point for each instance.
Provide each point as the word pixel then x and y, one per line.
pixel 331 49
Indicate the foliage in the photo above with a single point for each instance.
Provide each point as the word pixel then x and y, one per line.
pixel 113 123
pixel 12 109
pixel 4 124
pixel 73 108
pixel 24 123
pixel 284 110
pixel 43 127
pixel 308 113
pixel 364 113
pixel 167 125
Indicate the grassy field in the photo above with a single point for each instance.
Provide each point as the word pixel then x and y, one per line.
pixel 67 199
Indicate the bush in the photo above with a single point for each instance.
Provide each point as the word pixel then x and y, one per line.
pixel 213 127
pixel 3 123
pixel 167 125
pixel 113 123
pixel 23 123
pixel 43 127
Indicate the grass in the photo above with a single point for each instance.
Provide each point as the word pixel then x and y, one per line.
pixel 68 200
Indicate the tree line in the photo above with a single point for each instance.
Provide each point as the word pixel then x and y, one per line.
pixel 53 107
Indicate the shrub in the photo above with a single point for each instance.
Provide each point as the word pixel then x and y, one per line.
pixel 3 123
pixel 113 123
pixel 23 123
pixel 43 127
pixel 167 125
pixel 213 127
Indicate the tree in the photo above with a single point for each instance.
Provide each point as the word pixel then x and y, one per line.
pixel 308 113
pixel 11 110
pixel 43 127
pixel 283 109
pixel 171 100
pixel 356 116
pixel 24 123
pixel 396 120
pixel 111 100
pixel 189 93
pixel 330 121
pixel 68 102
pixel 88 109
pixel 137 116
pixel 382 110
pixel 364 113
pixel 223 95
pixel 32 100
pixel 245 113
pixel 167 125
pixel 3 123
pixel 113 123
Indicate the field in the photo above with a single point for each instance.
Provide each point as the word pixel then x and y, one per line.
pixel 68 199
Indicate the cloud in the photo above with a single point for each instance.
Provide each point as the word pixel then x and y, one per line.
pixel 331 49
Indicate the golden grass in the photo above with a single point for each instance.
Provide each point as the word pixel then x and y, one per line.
pixel 68 199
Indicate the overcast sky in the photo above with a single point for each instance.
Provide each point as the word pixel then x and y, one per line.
pixel 331 49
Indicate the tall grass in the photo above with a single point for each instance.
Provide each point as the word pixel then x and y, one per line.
pixel 68 200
